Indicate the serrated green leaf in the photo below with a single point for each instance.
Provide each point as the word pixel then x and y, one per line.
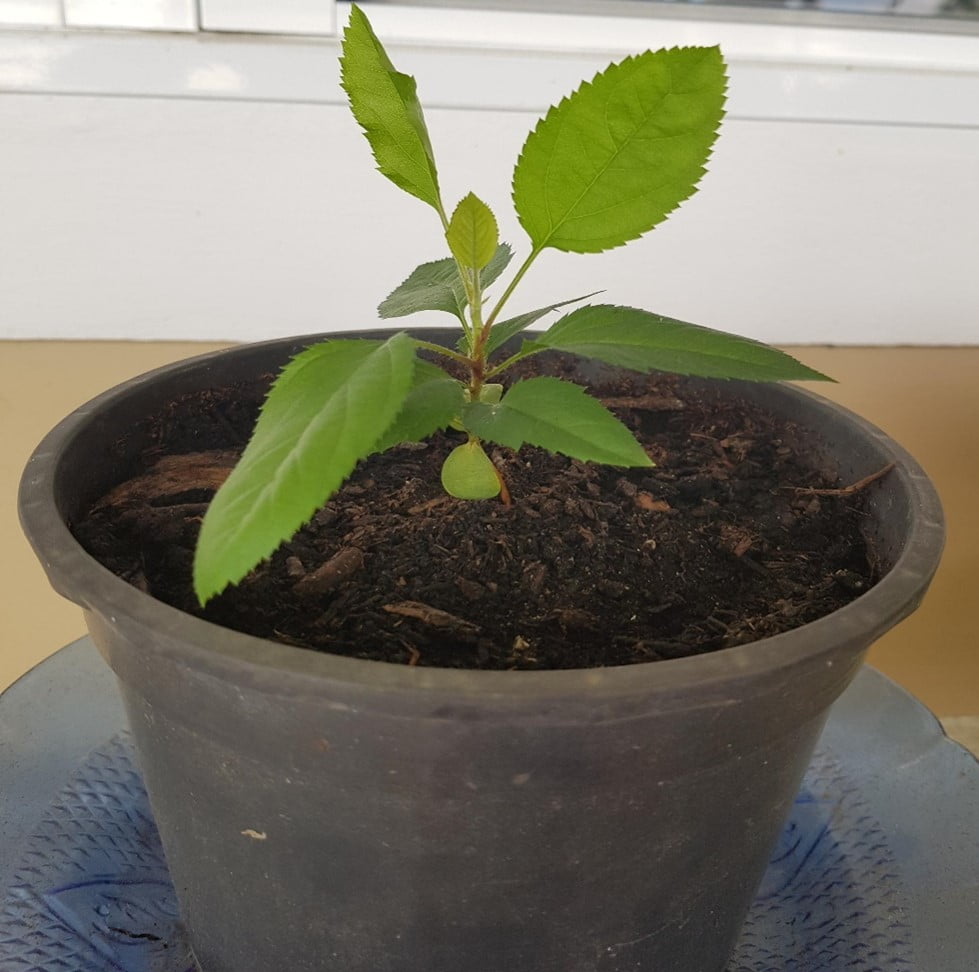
pixel 433 401
pixel 432 286
pixel 473 235
pixel 386 106
pixel 642 341
pixel 436 286
pixel 325 411
pixel 497 264
pixel 469 474
pixel 558 416
pixel 504 330
pixel 614 158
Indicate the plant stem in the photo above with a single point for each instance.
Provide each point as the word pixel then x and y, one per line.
pixel 478 369
pixel 477 356
pixel 466 329
pixel 504 492
pixel 469 328
pixel 476 305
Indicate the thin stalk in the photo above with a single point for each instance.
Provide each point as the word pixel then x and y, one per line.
pixel 478 349
pixel 513 359
pixel 476 305
pixel 466 328
pixel 445 352
pixel 505 296
pixel 471 333
pixel 440 209
pixel 504 492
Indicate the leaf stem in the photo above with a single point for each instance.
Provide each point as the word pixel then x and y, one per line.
pixel 446 352
pixel 524 352
pixel 505 296
pixel 440 209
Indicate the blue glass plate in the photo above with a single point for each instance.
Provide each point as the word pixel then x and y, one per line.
pixel 876 871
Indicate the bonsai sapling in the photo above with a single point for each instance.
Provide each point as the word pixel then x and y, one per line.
pixel 605 165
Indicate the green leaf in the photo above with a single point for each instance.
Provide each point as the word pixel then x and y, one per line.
pixel 614 158
pixel 491 394
pixel 436 286
pixel 641 341
pixel 433 286
pixel 558 416
pixel 386 106
pixel 501 332
pixel 433 401
pixel 473 235
pixel 324 412
pixel 497 264
pixel 469 474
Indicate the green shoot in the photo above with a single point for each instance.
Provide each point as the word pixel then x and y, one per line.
pixel 605 165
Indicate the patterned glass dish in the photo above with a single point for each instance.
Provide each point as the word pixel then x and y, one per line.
pixel 876 870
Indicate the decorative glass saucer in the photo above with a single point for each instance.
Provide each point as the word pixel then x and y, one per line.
pixel 877 869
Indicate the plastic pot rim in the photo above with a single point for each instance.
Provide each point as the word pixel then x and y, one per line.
pixel 235 656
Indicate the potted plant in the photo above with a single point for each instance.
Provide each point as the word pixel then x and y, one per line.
pixel 321 810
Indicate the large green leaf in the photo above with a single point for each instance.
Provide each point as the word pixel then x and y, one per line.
pixel 386 106
pixel 325 411
pixel 642 341
pixel 433 401
pixel 436 286
pixel 558 416
pixel 614 158
pixel 472 235
pixel 501 332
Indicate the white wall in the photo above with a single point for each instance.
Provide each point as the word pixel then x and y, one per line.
pixel 209 188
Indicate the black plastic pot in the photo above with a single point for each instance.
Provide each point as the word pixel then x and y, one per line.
pixel 320 812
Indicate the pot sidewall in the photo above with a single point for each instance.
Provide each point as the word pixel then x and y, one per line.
pixel 320 812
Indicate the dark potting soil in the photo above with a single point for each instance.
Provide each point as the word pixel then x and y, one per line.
pixel 728 539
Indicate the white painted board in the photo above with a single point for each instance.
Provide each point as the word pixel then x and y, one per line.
pixel 160 218
pixel 264 17
pixel 132 14
pixel 33 13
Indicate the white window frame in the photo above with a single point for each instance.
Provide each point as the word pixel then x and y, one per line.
pixel 502 59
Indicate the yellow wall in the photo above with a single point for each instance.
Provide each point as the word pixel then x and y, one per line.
pixel 928 399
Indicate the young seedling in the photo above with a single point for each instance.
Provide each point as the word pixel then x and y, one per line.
pixel 602 167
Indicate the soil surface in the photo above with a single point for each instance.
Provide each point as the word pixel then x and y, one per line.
pixel 725 541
